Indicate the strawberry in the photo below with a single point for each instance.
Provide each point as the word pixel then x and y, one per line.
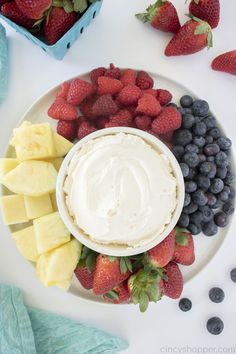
pixel 79 90
pixel 143 122
pixel 58 23
pixel 85 276
pixel 129 95
pixel 119 295
pixel 184 247
pixel 86 106
pixel 108 85
pixel 172 287
pixel 96 73
pixel 101 122
pixel 168 120
pixel 11 10
pixel 113 72
pixel 122 118
pixel 61 109
pixel 67 129
pixel 85 129
pixel 160 255
pixel 144 80
pixel 128 77
pixel 109 272
pixel 163 96
pixel 33 9
pixel 225 62
pixel 148 105
pixel 104 106
pixel 192 37
pixel 151 91
pixel 207 10
pixel 162 15
pixel 64 88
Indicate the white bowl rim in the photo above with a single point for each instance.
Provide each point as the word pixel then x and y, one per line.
pixel 118 250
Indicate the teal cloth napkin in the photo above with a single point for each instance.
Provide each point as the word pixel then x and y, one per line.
pixel 3 63
pixel 25 330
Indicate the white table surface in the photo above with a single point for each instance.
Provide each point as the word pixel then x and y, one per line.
pixel 116 36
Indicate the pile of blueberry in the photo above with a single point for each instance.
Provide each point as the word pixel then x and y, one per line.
pixel 203 153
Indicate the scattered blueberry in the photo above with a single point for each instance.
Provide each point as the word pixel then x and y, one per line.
pixel 182 137
pixel 191 208
pixel 216 295
pixel 221 159
pixel 224 143
pixel 211 199
pixel 207 213
pixel 202 158
pixel 185 304
pixel 208 169
pixel 200 128
pixel 217 185
pixel 191 159
pixel 215 133
pixel 200 108
pixel 221 219
pixel 199 197
pixel 187 199
pixel 191 148
pixel 196 218
pixel 209 139
pixel 209 228
pixel 203 182
pixel 178 151
pixel 184 168
pixel 199 141
pixel 211 149
pixel 221 172
pixel 194 229
pixel 188 121
pixel 186 101
pixel 233 275
pixel 192 173
pixel 183 220
pixel 190 186
pixel 228 208
pixel 210 122
pixel 215 325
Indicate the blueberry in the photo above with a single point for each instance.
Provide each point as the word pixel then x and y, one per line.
pixel 172 104
pixel 210 122
pixel 209 228
pixel 215 325
pixel 183 220
pixel 181 110
pixel 217 204
pixel 221 219
pixel 199 129
pixel 203 182
pixel 233 275
pixel 211 199
pixel 215 133
pixel 221 159
pixel 188 110
pixel 191 208
pixel 226 189
pixel 192 173
pixel 199 197
pixel 196 218
pixel 231 193
pixel 211 159
pixel 190 186
pixel 200 108
pixel 209 139
pixel 191 159
pixel 178 151
pixel 185 304
pixel 194 229
pixel 184 168
pixel 230 178
pixel 221 172
pixel 224 143
pixel 228 208
pixel 187 199
pixel 208 169
pixel 223 196
pixel 199 141
pixel 191 148
pixel 201 157
pixel 211 149
pixel 182 137
pixel 216 295
pixel 216 186
pixel 207 213
pixel 186 101
pixel 188 121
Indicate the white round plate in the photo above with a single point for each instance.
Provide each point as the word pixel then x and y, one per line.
pixel 205 247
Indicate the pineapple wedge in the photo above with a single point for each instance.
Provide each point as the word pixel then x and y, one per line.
pixel 50 232
pixel 38 206
pixel 32 178
pixel 57 266
pixel 56 162
pixel 13 209
pixel 26 243
pixel 6 165
pixel 62 145
pixel 54 201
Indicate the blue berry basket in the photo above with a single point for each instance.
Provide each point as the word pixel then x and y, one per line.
pixel 59 49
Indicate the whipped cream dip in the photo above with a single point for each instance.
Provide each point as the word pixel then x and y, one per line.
pixel 120 190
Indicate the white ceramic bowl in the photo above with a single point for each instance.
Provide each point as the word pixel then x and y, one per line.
pixel 119 250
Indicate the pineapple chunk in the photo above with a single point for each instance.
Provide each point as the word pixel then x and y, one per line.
pixel 62 145
pixel 32 178
pixel 56 162
pixel 50 232
pixel 34 141
pixel 57 266
pixel 13 209
pixel 25 124
pixel 38 206
pixel 6 165
pixel 26 243
pixel 54 201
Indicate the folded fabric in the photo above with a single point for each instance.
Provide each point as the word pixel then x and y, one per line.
pixel 25 330
pixel 3 63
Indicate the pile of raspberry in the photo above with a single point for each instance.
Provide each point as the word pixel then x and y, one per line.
pixel 113 98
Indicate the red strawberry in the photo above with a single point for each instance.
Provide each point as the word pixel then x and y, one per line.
pixel 160 255
pixel 101 122
pixel 61 109
pixel 119 295
pixel 58 23
pixel 108 85
pixel 113 72
pixel 173 287
pixel 85 129
pixel 64 88
pixel 96 73
pixel 207 10
pixel 168 120
pixel 163 96
pixel 144 80
pixel 33 9
pixel 11 10
pixel 184 247
pixel 104 106
pixel 151 91
pixel 143 122
pixel 128 77
pixel 108 274
pixel 129 95
pixel 192 37
pixel 67 129
pixel 84 276
pixel 86 106
pixel 148 105
pixel 122 118
pixel 162 15
pixel 79 90
pixel 225 62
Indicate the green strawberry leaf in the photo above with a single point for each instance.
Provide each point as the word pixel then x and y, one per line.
pixel 93 1
pixel 112 294
pixel 112 258
pixel 91 261
pixel 181 236
pixel 161 273
pixel 123 267
pixel 68 6
pixel 80 5
pixel 128 264
pixel 143 302
pixel 57 3
pixel 209 40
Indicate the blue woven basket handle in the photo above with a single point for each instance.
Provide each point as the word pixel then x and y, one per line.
pixel 3 64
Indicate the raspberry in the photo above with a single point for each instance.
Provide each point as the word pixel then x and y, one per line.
pixel 144 80
pixel 79 90
pixel 128 77
pixel 113 72
pixel 104 106
pixel 61 109
pixel 86 107
pixel 163 96
pixel 129 95
pixel 64 88
pixel 152 92
pixel 110 125
pixel 167 137
pixel 85 128
pixel 143 122
pixel 101 122
pixel 96 73
pixel 148 105
pixel 67 129
pixel 122 118
pixel 132 110
pixel 108 85
pixel 168 120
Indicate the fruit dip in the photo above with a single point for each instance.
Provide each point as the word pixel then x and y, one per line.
pixel 120 190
